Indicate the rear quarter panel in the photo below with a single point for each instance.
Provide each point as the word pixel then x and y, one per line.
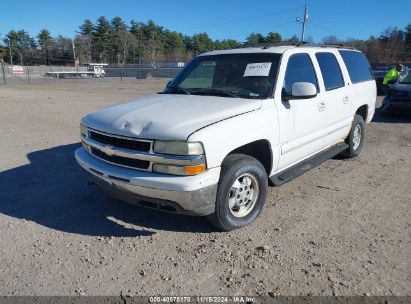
pixel 361 93
pixel 365 93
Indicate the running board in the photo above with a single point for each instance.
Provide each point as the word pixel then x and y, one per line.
pixel 308 164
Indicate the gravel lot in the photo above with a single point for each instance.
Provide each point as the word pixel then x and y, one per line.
pixel 340 229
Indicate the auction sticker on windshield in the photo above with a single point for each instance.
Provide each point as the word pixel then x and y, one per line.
pixel 257 69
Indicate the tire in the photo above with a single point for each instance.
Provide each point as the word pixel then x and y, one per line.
pixel 241 194
pixel 354 142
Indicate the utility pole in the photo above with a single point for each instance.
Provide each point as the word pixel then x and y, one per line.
pixel 303 22
pixel 74 53
pixel 2 71
pixel 11 56
pixel 76 63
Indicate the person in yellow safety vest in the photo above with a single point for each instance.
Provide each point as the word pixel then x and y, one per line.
pixel 392 75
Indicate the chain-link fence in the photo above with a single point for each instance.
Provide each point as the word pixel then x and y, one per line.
pixel 59 74
pixel 142 72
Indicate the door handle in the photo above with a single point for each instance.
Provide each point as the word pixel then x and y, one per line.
pixel 346 99
pixel 322 105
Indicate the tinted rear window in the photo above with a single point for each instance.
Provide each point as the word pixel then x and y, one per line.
pixel 357 66
pixel 330 69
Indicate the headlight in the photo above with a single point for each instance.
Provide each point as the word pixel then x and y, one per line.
pixel 83 130
pixel 178 147
pixel 179 170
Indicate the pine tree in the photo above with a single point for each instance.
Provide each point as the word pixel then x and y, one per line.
pixel 87 27
pixel 273 38
pixel 103 35
pixel 45 43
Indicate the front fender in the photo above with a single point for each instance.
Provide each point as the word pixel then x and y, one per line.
pixel 225 136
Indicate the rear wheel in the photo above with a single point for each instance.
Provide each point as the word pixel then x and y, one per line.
pixel 241 194
pixel 355 139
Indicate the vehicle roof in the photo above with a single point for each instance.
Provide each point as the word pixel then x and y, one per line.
pixel 273 49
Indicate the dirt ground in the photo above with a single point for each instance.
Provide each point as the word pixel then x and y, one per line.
pixel 340 229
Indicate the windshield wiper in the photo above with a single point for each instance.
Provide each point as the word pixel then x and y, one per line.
pixel 181 89
pixel 216 91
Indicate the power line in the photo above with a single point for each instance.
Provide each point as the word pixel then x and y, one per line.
pixel 264 29
pixel 243 19
pixel 328 30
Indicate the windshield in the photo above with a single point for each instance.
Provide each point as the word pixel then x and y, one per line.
pixel 230 75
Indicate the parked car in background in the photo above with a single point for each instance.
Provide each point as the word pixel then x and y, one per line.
pixel 379 74
pixel 231 122
pixel 399 94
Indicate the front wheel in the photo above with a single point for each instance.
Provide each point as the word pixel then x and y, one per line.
pixel 355 139
pixel 241 194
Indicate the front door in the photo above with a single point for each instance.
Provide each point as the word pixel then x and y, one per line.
pixel 302 121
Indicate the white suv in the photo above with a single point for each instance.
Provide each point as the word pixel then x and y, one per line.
pixel 229 124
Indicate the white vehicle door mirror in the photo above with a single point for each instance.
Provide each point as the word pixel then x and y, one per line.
pixel 301 90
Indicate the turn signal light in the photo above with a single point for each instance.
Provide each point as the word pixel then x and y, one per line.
pixel 194 170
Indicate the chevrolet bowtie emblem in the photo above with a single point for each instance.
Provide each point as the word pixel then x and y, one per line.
pixel 108 150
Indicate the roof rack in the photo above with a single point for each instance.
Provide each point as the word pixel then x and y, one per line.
pixel 296 44
pixel 266 45
pixel 336 45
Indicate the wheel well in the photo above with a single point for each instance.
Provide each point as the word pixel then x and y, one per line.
pixel 363 111
pixel 260 150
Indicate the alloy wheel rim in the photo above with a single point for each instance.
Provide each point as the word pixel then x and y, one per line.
pixel 357 137
pixel 243 195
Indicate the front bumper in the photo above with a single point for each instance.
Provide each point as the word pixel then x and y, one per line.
pixel 193 195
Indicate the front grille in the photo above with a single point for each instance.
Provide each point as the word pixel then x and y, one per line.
pixel 129 162
pixel 137 145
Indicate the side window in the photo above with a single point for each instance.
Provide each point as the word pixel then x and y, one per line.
pixel 330 69
pixel 357 66
pixel 299 69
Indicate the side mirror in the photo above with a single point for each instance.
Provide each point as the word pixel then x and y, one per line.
pixel 301 90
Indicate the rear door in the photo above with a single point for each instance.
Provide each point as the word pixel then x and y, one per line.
pixel 337 97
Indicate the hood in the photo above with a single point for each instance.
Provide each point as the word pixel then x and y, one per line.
pixel 167 116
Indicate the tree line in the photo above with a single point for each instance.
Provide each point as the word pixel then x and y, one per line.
pixel 115 41
pixel 392 46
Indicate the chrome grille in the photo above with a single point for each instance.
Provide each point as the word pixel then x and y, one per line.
pixel 131 152
pixel 107 143
pixel 128 162
pixel 119 142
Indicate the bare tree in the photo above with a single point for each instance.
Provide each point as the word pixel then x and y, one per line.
pixel 331 40
pixel 126 40
pixel 84 45
pixel 385 50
